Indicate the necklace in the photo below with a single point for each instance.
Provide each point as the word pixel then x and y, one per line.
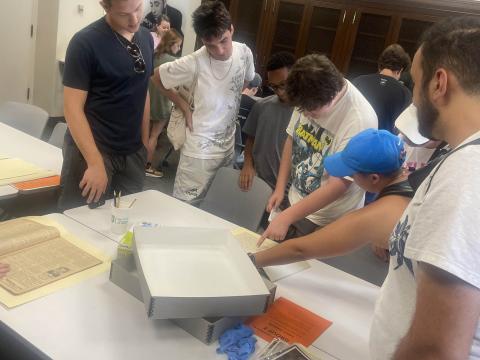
pixel 213 73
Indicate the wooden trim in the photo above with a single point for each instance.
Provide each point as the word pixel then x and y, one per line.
pixel 435 7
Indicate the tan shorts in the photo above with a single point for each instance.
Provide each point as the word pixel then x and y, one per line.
pixel 194 177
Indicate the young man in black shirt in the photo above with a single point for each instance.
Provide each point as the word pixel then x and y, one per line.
pixel 107 68
pixel 388 96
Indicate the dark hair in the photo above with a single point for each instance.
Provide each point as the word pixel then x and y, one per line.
pixel 453 44
pixel 211 20
pixel 170 38
pixel 280 60
pixel 313 81
pixel 394 58
pixel 162 18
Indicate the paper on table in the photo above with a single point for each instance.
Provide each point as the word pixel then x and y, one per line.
pixel 248 241
pixel 289 322
pixel 16 170
pixel 10 300
pixel 45 182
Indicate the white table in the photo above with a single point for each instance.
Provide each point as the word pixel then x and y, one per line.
pixel 152 206
pixel 340 297
pixel 15 143
pixel 95 319
pixel 344 299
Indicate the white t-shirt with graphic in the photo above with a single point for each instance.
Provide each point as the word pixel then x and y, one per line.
pixel 315 139
pixel 217 98
pixel 440 227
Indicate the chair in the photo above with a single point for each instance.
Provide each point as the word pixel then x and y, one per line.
pixel 225 199
pixel 24 117
pixel 58 133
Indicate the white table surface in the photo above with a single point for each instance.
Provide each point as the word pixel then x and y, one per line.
pixel 15 143
pixel 152 206
pixel 340 297
pixel 344 299
pixel 95 319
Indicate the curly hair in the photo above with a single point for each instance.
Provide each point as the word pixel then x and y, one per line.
pixel 313 82
pixel 453 44
pixel 394 58
pixel 280 60
pixel 211 20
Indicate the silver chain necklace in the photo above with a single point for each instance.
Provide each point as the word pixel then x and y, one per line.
pixel 213 73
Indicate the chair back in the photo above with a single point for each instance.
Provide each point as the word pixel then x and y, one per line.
pixel 58 133
pixel 225 199
pixel 24 117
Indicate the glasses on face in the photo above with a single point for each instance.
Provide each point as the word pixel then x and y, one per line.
pixel 136 54
pixel 277 87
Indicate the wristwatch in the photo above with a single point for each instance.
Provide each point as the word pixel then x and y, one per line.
pixel 252 258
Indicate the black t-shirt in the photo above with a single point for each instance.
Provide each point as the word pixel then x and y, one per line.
pixel 387 96
pixel 98 62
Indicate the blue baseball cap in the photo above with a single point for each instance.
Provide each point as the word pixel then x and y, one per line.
pixel 371 151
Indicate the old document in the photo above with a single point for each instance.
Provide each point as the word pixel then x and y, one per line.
pixel 37 256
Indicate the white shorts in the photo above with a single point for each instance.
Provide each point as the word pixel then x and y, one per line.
pixel 194 177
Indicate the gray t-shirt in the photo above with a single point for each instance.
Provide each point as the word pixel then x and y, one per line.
pixel 267 123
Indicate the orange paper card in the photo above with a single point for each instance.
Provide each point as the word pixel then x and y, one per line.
pixel 289 322
pixel 38 183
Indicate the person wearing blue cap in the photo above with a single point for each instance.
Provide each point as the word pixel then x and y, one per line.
pixel 328 112
pixel 374 159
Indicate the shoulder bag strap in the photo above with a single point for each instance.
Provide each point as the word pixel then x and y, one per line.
pixel 473 142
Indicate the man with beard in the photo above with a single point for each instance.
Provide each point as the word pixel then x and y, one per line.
pixel 429 305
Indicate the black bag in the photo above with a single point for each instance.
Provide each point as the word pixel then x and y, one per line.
pixel 417 177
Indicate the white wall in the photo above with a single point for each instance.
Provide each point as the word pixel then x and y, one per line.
pixel 186 7
pixel 71 20
pixel 46 66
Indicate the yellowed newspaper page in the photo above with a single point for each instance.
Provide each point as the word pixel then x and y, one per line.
pixel 16 170
pixel 49 266
pixel 21 233
pixel 248 241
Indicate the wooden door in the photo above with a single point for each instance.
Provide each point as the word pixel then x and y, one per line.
pixel 248 17
pixel 410 30
pixel 370 32
pixel 325 29
pixel 287 21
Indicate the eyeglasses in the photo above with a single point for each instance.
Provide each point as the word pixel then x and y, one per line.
pixel 277 87
pixel 136 54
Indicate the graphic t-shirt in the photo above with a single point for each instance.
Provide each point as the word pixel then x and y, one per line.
pixel 315 139
pixel 439 227
pixel 217 98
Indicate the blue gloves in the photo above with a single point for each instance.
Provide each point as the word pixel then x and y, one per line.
pixel 238 343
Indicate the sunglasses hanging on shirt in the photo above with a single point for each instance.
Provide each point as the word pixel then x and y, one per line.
pixel 134 51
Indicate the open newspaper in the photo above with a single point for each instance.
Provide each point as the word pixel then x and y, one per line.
pixel 38 255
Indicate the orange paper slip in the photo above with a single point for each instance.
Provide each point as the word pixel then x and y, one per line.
pixel 50 181
pixel 289 322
